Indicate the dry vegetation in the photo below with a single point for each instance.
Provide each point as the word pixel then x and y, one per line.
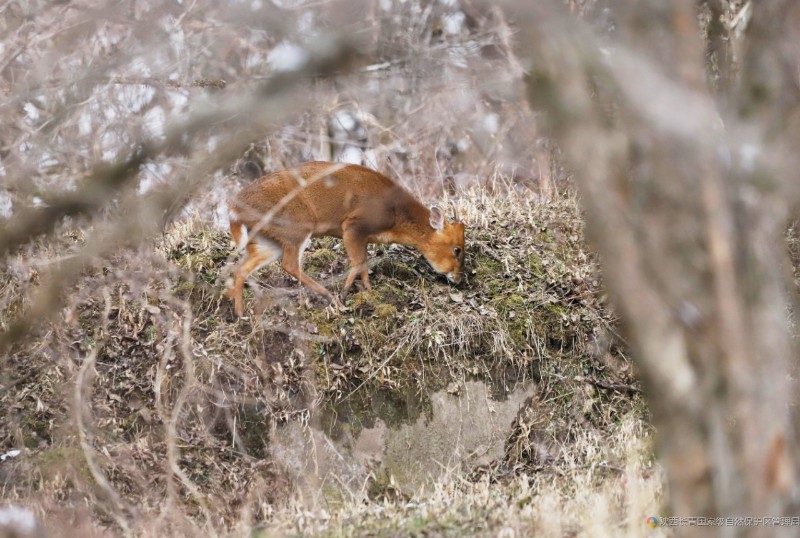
pixel 178 402
pixel 134 402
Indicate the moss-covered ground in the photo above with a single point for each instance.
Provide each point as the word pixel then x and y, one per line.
pixel 153 394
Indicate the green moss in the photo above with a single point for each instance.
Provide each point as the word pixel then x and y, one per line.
pixel 556 309
pixel 517 316
pixel 183 289
pixel 326 323
pixel 204 253
pixel 364 299
pixel 535 264
pixel 384 310
pixel 486 267
pixel 510 303
pixel 320 259
pixel 395 268
pixel 495 286
pixel 545 236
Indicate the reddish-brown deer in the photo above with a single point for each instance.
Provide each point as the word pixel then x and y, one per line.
pixel 277 215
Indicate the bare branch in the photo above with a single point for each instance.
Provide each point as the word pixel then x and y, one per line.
pixel 262 106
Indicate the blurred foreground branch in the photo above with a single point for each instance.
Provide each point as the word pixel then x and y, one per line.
pixel 266 105
pixel 688 215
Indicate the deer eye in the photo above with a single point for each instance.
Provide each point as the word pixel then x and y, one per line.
pixel 457 251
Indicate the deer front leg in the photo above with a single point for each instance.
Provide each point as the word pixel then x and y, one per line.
pixel 356 246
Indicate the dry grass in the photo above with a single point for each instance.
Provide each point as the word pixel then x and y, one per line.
pixel 147 406
pixel 587 496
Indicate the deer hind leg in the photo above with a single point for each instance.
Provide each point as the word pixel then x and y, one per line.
pixel 259 253
pixel 292 264
pixel 239 234
pixel 356 246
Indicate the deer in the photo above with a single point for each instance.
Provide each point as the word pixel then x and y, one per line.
pixel 276 216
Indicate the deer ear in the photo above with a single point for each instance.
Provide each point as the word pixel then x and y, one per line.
pixel 437 218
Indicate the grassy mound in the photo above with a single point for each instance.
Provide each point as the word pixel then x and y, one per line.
pixel 149 402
